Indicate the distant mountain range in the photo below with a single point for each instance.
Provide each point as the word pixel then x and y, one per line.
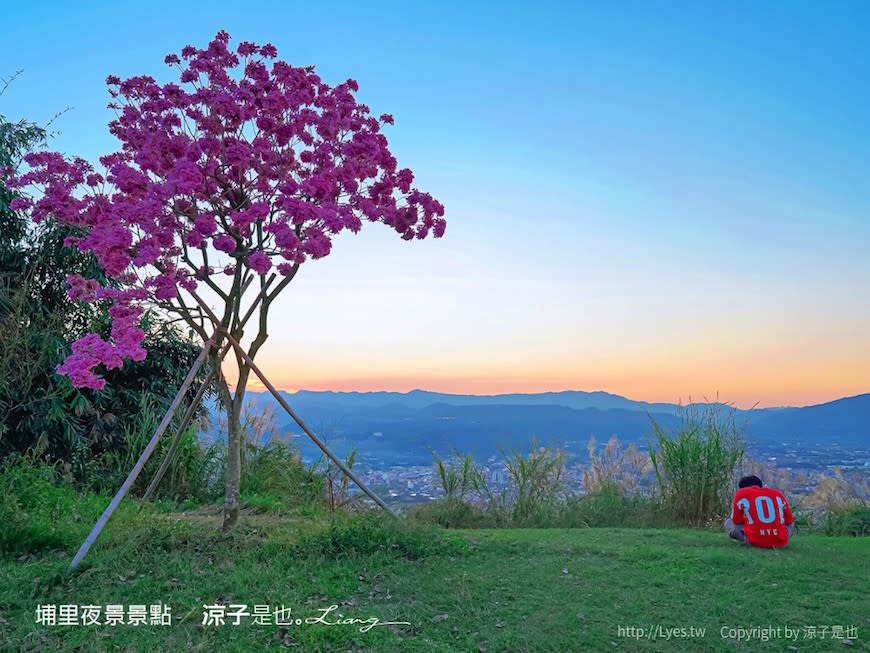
pixel 403 428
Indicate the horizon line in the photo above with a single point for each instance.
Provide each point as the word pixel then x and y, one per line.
pixel 257 387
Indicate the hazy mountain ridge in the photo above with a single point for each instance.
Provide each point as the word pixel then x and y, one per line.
pixel 405 427
pixel 846 420
pixel 423 398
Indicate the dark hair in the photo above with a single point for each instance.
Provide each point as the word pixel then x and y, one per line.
pixel 749 481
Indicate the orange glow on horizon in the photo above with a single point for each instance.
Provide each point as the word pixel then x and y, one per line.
pixel 744 399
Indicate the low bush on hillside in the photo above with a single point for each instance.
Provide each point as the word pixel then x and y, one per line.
pixel 275 469
pixel 536 485
pixel 450 514
pixel 611 505
pixel 46 506
pixel 367 534
pixel 687 478
pixel 40 510
pixel 533 494
pixel 189 475
pixel 608 506
pixel 848 520
pixel 695 466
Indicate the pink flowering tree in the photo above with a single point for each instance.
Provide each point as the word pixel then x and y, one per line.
pixel 224 184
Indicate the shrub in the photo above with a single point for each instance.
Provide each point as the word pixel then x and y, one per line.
pixel 536 484
pixel 533 494
pixel 450 514
pixel 456 476
pixel 188 476
pixel 273 476
pixel 695 467
pixel 39 510
pixel 848 520
pixel 365 534
pixel 277 470
pixel 337 483
pixel 273 468
pixel 609 506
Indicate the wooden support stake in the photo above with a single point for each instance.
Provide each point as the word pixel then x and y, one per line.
pixel 170 454
pixel 344 468
pixel 149 449
pixel 249 361
pixel 167 460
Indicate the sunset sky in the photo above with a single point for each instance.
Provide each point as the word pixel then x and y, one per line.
pixel 656 203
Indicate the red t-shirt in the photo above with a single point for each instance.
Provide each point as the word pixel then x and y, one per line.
pixel 764 513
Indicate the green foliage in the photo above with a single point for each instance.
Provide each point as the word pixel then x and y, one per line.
pixel 695 467
pixel 336 482
pixel 456 475
pixel 367 534
pixel 190 473
pixel 42 411
pixel 16 139
pixel 536 485
pixel 273 476
pixel 610 505
pixel 39 510
pixel 534 493
pixel 694 471
pixel 450 514
pixel 276 470
pixel 39 410
pixel 848 520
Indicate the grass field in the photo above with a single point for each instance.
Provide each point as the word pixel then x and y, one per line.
pixel 481 590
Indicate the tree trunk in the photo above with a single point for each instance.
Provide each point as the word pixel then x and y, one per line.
pixel 234 462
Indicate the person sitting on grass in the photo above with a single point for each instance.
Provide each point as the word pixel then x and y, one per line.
pixel 760 516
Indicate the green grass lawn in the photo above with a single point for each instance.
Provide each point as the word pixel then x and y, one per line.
pixel 482 590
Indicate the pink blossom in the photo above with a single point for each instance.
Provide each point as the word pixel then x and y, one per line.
pixel 164 287
pixel 316 243
pixel 255 156
pixel 20 204
pixel 224 243
pixel 205 224
pixel 193 239
pixel 259 262
pixel 246 48
pixel 285 237
pixel 81 289
pixel 187 176
pixel 404 180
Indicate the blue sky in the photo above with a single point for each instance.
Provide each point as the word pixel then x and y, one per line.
pixel 655 201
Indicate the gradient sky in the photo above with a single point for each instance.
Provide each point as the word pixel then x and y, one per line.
pixel 660 202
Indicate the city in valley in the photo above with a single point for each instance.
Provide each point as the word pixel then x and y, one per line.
pixel 802 467
pixel 398 437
